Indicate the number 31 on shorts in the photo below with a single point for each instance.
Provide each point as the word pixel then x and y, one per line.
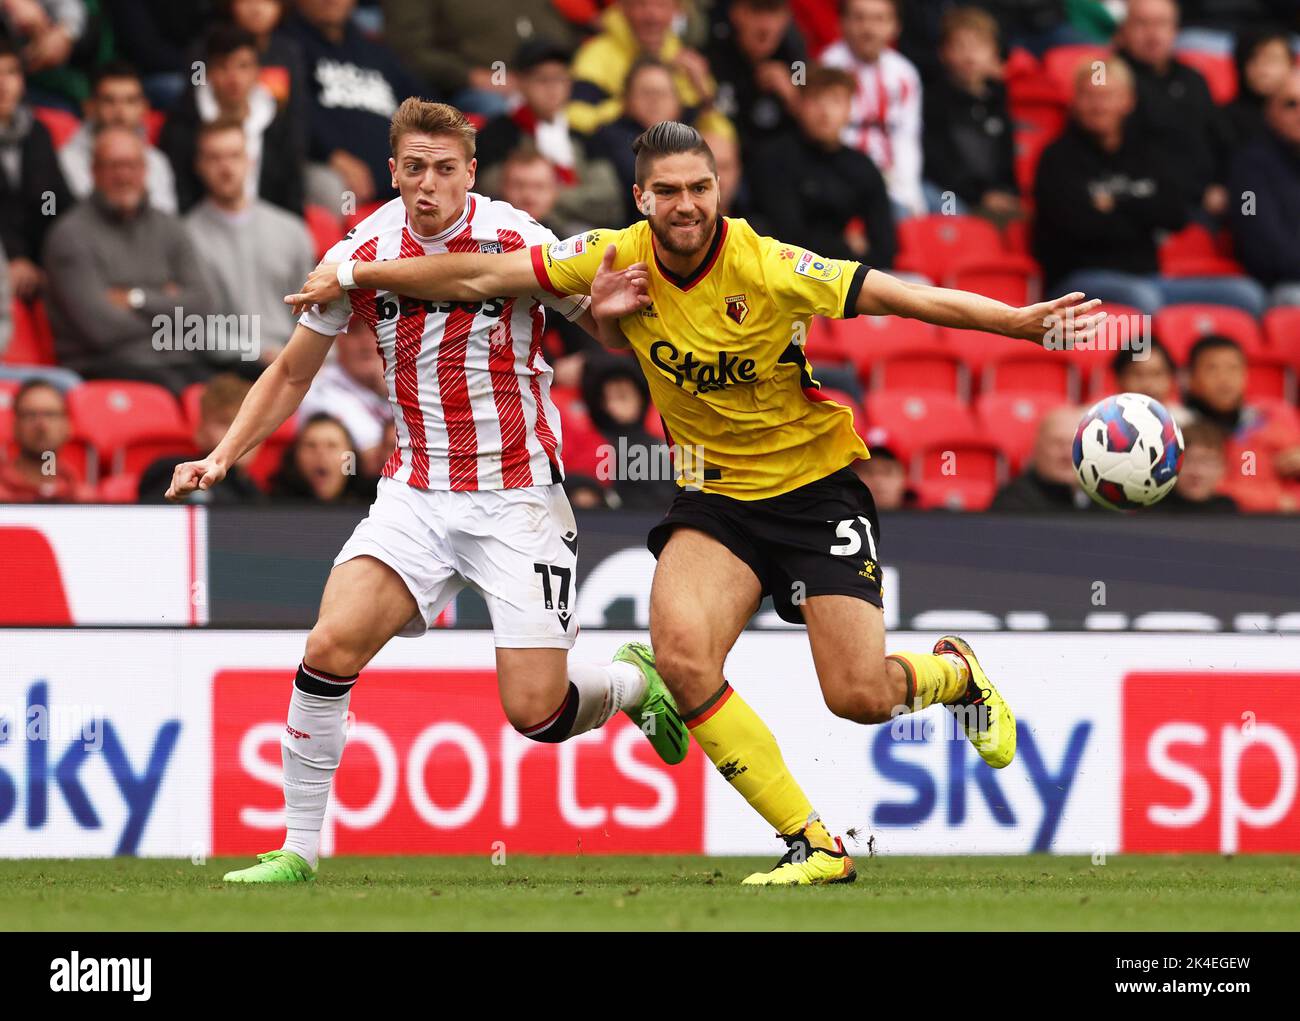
pixel 852 537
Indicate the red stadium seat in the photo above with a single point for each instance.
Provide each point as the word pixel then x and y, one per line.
pixel 142 451
pixel 1282 333
pixel 1010 420
pixel 868 339
pixel 119 489
pixel 935 244
pixel 326 228
pixel 977 349
pixel 1123 326
pixel 1270 376
pixel 959 472
pixel 1193 252
pixel 1218 70
pixel 1032 371
pixel 153 125
pixel 190 398
pixel 1005 276
pixel 1061 63
pixel 824 345
pixel 8 387
pixel 1178 327
pixel 111 415
pixel 61 124
pixel 955 494
pixel 920 372
pixel 31 342
pixel 915 419
pixel 1015 237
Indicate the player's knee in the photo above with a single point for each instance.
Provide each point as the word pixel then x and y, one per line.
pixel 331 651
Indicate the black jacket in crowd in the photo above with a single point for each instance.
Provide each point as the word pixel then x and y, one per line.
pixel 969 145
pixel 1174 110
pixel 1031 493
pixel 1267 236
pixel 23 211
pixel 805 195
pixel 758 115
pixel 1070 233
pixel 280 181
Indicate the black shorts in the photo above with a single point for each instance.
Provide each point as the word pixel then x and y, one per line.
pixel 818 540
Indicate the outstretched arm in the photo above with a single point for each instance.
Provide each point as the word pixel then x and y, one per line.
pixel 456 276
pixel 1056 323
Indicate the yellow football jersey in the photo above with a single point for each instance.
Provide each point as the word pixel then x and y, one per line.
pixel 723 353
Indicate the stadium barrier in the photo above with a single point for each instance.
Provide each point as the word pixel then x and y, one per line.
pixel 266 567
pixel 166 743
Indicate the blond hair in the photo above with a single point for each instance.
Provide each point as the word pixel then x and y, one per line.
pixel 428 118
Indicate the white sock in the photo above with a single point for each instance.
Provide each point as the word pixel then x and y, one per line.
pixel 310 748
pixel 604 689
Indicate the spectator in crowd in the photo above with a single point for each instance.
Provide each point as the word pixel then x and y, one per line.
pixel 1174 110
pixel 1266 197
pixel 528 181
pixel 588 188
pixel 115 264
pixel 631 30
pixel 32 190
pixel 969 145
pixel 253 253
pixel 1264 60
pixel 322 466
pixel 279 55
pixel 1200 475
pixel 155 36
pixel 351 387
pixel 885 117
pixel 1049 482
pixel 618 399
pixel 58 41
pixel 648 97
pixel 755 54
pixel 38 473
pixel 586 493
pixel 1037 25
pixel 1263 451
pixel 232 92
pixel 884 474
pixel 733 191
pixel 218 405
pixel 116 100
pixel 356 84
pixel 459 49
pixel 1150 370
pixel 1102 191
pixel 809 185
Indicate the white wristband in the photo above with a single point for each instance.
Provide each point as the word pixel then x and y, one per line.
pixel 344 274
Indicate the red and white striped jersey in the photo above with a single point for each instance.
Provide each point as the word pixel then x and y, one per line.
pixel 885 119
pixel 469 387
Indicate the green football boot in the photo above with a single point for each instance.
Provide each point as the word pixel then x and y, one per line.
pixel 656 715
pixel 274 867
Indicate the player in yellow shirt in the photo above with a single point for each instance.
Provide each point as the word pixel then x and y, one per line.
pixel 769 505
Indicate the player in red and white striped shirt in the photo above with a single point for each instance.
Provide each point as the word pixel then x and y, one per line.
pixel 471 495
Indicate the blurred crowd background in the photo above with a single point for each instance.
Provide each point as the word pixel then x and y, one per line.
pixel 195 159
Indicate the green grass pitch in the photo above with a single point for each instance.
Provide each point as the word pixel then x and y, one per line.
pixel 1200 892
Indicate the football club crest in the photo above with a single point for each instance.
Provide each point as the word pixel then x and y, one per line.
pixel 737 308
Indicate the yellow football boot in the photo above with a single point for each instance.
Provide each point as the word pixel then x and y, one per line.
pixel 983 714
pixel 807 865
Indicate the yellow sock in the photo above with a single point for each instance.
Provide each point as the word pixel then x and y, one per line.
pixel 931 678
pixel 746 754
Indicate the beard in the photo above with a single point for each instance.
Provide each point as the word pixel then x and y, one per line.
pixel 669 242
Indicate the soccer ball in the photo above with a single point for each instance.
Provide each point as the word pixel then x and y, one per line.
pixel 1127 451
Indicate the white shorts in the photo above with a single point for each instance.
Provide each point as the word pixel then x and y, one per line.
pixel 516 547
